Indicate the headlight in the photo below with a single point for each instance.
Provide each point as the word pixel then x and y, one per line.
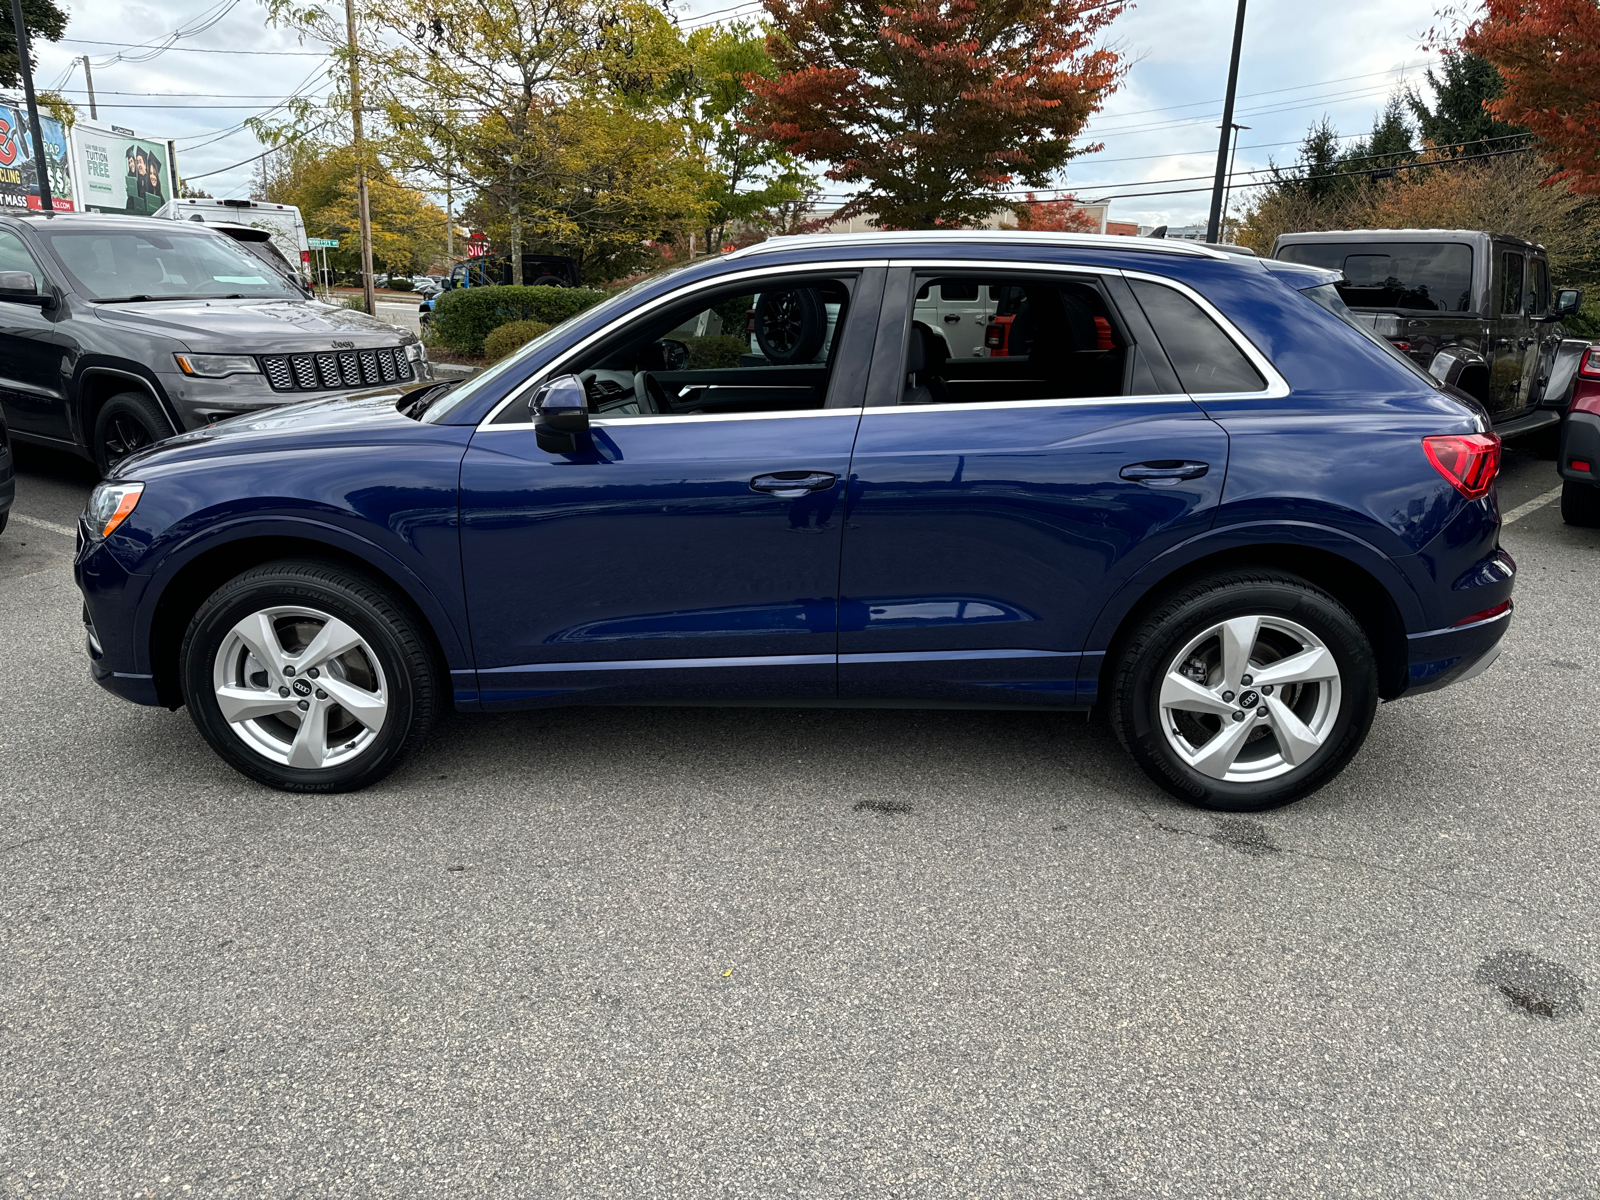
pixel 215 366
pixel 417 352
pixel 110 505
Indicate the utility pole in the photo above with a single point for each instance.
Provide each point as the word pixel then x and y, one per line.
pixel 449 220
pixel 1227 195
pixel 1214 222
pixel 41 163
pixel 88 78
pixel 365 213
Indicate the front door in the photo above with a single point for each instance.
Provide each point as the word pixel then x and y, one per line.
pixel 30 356
pixel 996 503
pixel 689 549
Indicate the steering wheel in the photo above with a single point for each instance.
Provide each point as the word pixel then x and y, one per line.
pixel 651 395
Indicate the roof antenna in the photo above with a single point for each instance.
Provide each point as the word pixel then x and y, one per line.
pixel 1160 231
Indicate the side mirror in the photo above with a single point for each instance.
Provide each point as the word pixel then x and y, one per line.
pixel 561 415
pixel 18 288
pixel 1568 301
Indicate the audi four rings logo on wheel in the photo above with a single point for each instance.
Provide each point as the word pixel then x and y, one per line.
pixel 778 477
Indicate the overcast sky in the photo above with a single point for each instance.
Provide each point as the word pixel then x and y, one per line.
pixel 1302 59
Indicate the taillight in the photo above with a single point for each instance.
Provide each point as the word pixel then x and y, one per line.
pixel 995 337
pixel 1401 345
pixel 1102 335
pixel 1590 364
pixel 1469 461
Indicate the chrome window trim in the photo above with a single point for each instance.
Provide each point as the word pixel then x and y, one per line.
pixel 1277 387
pixel 598 422
pixel 486 424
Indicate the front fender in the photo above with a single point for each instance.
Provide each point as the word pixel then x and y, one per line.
pixel 445 614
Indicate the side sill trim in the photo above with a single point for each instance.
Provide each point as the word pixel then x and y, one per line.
pixel 667 664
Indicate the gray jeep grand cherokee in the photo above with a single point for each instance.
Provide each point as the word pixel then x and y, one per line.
pixel 116 332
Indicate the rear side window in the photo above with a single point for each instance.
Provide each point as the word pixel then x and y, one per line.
pixel 1205 358
pixel 1539 285
pixel 1511 283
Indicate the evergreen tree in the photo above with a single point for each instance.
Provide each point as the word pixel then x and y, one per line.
pixel 1458 114
pixel 1390 144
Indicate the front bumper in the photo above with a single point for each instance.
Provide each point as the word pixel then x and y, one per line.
pixel 1580 443
pixel 1441 657
pixel 110 597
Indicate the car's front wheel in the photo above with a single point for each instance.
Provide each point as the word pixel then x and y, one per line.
pixel 1245 691
pixel 308 677
pixel 126 423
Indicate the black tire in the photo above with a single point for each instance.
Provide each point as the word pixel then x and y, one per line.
pixel 791 325
pixel 549 281
pixel 408 680
pixel 126 423
pixel 4 517
pixel 1580 504
pixel 1163 635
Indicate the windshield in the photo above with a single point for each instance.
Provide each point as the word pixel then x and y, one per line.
pixel 1327 295
pixel 110 265
pixel 1409 276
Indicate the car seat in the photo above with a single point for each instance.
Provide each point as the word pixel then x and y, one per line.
pixel 925 362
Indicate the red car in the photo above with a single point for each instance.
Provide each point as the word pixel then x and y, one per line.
pixel 1579 459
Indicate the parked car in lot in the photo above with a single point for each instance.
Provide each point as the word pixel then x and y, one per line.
pixel 1474 308
pixel 1578 461
pixel 119 331
pixel 1235 530
pixel 8 480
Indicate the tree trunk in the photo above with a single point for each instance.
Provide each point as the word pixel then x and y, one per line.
pixel 516 229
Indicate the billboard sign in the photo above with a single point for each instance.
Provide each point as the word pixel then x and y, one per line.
pixel 118 172
pixel 19 173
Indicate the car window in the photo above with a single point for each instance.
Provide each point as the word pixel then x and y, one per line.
pixel 14 256
pixel 1539 285
pixel 1411 276
pixel 1030 337
pixel 724 353
pixel 1206 358
pixel 1510 283
pixel 108 265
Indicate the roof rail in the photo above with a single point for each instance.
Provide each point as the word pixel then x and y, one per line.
pixel 1012 237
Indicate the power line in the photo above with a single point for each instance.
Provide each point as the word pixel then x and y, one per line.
pixel 201 49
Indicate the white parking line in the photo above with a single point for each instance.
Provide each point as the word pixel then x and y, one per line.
pixel 50 525
pixel 1522 510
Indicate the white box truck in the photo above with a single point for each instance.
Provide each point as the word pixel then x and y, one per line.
pixel 282 221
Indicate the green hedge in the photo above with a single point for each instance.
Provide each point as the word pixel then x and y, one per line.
pixel 715 352
pixel 503 339
pixel 463 317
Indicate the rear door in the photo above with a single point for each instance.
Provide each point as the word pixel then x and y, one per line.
pixel 31 383
pixel 996 503
pixel 1513 350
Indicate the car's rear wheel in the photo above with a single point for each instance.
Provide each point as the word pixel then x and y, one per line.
pixel 125 423
pixel 1580 504
pixel 1245 691
pixel 308 677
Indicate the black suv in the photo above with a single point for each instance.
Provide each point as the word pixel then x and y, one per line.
pixel 117 331
pixel 1474 309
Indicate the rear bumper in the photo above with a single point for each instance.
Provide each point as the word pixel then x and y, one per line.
pixel 1441 657
pixel 1580 440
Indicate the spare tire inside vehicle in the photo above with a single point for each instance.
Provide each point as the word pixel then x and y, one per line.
pixel 791 325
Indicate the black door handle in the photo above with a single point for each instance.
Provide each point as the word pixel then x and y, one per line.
pixel 1165 473
pixel 951 319
pixel 791 485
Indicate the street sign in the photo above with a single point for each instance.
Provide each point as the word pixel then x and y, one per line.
pixel 323 243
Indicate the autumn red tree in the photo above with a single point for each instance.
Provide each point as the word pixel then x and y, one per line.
pixel 1548 54
pixel 934 108
pixel 1057 216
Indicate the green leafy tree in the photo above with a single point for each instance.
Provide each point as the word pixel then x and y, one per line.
pixel 43 20
pixel 1461 89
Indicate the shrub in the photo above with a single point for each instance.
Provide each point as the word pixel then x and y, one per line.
pixel 463 317
pixel 716 351
pixel 503 339
pixel 400 285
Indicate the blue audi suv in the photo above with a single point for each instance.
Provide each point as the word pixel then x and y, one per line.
pixel 1186 487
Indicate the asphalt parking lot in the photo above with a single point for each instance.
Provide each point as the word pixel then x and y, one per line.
pixel 688 952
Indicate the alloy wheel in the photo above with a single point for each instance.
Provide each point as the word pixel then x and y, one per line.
pixel 124 434
pixel 1250 698
pixel 300 687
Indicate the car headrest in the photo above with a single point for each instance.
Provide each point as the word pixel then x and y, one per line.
pixel 917 352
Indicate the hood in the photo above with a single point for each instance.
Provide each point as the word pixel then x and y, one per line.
pixel 363 417
pixel 255 326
